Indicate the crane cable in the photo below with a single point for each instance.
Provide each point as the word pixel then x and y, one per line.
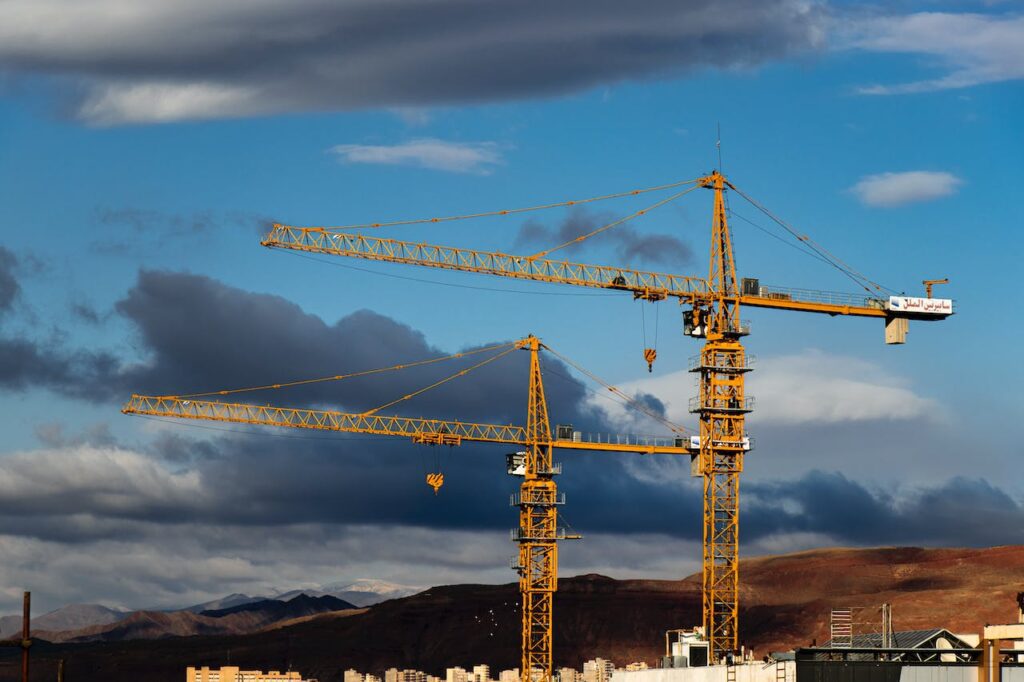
pixel 340 377
pixel 460 373
pixel 650 352
pixel 630 402
pixel 857 277
pixel 612 224
pixel 487 214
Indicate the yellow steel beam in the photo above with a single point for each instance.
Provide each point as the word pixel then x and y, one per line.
pixel 325 420
pixel 876 309
pixel 425 431
pixel 647 285
pixel 318 240
pixel 637 448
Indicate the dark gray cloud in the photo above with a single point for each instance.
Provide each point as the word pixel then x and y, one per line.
pixel 202 60
pixel 120 228
pixel 197 334
pixel 144 220
pixel 961 511
pixel 87 313
pixel 9 286
pixel 28 363
pixel 200 335
pixel 631 247
pixel 203 499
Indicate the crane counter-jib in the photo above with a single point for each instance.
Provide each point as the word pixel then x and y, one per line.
pixel 426 431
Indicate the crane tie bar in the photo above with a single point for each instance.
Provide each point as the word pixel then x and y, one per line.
pixel 340 377
pixel 460 373
pixel 510 211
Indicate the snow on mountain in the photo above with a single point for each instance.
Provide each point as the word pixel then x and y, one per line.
pixel 366 591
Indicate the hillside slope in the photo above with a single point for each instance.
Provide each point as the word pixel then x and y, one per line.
pixel 786 600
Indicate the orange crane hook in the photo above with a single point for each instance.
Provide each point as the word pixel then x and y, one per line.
pixel 650 355
pixel 435 481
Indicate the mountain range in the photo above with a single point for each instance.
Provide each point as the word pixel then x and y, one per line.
pixel 74 621
pixel 785 602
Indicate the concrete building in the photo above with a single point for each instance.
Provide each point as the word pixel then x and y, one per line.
pixel 232 673
pixel 455 674
pixel 568 675
pixel 598 670
pixel 412 676
pixel 509 675
pixel 391 675
pixel 481 673
pixel 354 676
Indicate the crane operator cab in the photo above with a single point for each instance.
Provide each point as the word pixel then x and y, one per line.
pixel 695 322
pixel 516 463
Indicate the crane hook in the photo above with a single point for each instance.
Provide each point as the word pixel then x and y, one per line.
pixel 435 481
pixel 650 355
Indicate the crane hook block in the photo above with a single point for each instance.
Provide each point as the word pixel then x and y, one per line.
pixel 650 355
pixel 435 481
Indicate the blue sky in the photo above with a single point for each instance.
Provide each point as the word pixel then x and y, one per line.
pixel 121 157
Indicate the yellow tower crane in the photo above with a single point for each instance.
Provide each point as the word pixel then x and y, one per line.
pixel 538 498
pixel 714 315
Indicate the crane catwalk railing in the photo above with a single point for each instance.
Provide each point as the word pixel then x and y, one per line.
pixel 326 420
pixel 315 240
pixel 837 298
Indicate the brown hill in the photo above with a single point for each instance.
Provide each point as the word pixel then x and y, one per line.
pixel 237 620
pixel 785 603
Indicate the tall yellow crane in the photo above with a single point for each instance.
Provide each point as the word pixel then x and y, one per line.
pixel 538 498
pixel 714 315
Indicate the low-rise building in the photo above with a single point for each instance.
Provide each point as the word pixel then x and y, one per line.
pixel 232 673
pixel 455 674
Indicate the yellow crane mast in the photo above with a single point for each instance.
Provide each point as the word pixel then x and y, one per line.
pixel 538 498
pixel 713 314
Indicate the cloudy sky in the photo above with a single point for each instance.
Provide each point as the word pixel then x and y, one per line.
pixel 144 149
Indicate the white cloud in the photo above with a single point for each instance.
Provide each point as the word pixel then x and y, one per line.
pixel 897 189
pixel 156 102
pixel 454 157
pixel 75 478
pixel 973 48
pixel 812 387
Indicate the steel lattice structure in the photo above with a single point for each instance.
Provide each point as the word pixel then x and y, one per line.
pixel 714 315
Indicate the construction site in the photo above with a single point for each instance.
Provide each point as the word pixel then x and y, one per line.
pixel 710 650
pixel 441 341
pixel 711 312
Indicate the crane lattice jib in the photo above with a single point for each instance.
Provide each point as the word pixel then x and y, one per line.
pixel 326 420
pixel 435 431
pixel 642 284
pixel 316 240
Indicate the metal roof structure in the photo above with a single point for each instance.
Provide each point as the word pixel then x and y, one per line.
pixel 906 639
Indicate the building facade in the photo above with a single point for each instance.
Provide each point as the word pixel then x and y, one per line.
pixel 231 673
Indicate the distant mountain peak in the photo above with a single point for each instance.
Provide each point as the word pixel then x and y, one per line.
pixel 368 585
pixel 369 591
